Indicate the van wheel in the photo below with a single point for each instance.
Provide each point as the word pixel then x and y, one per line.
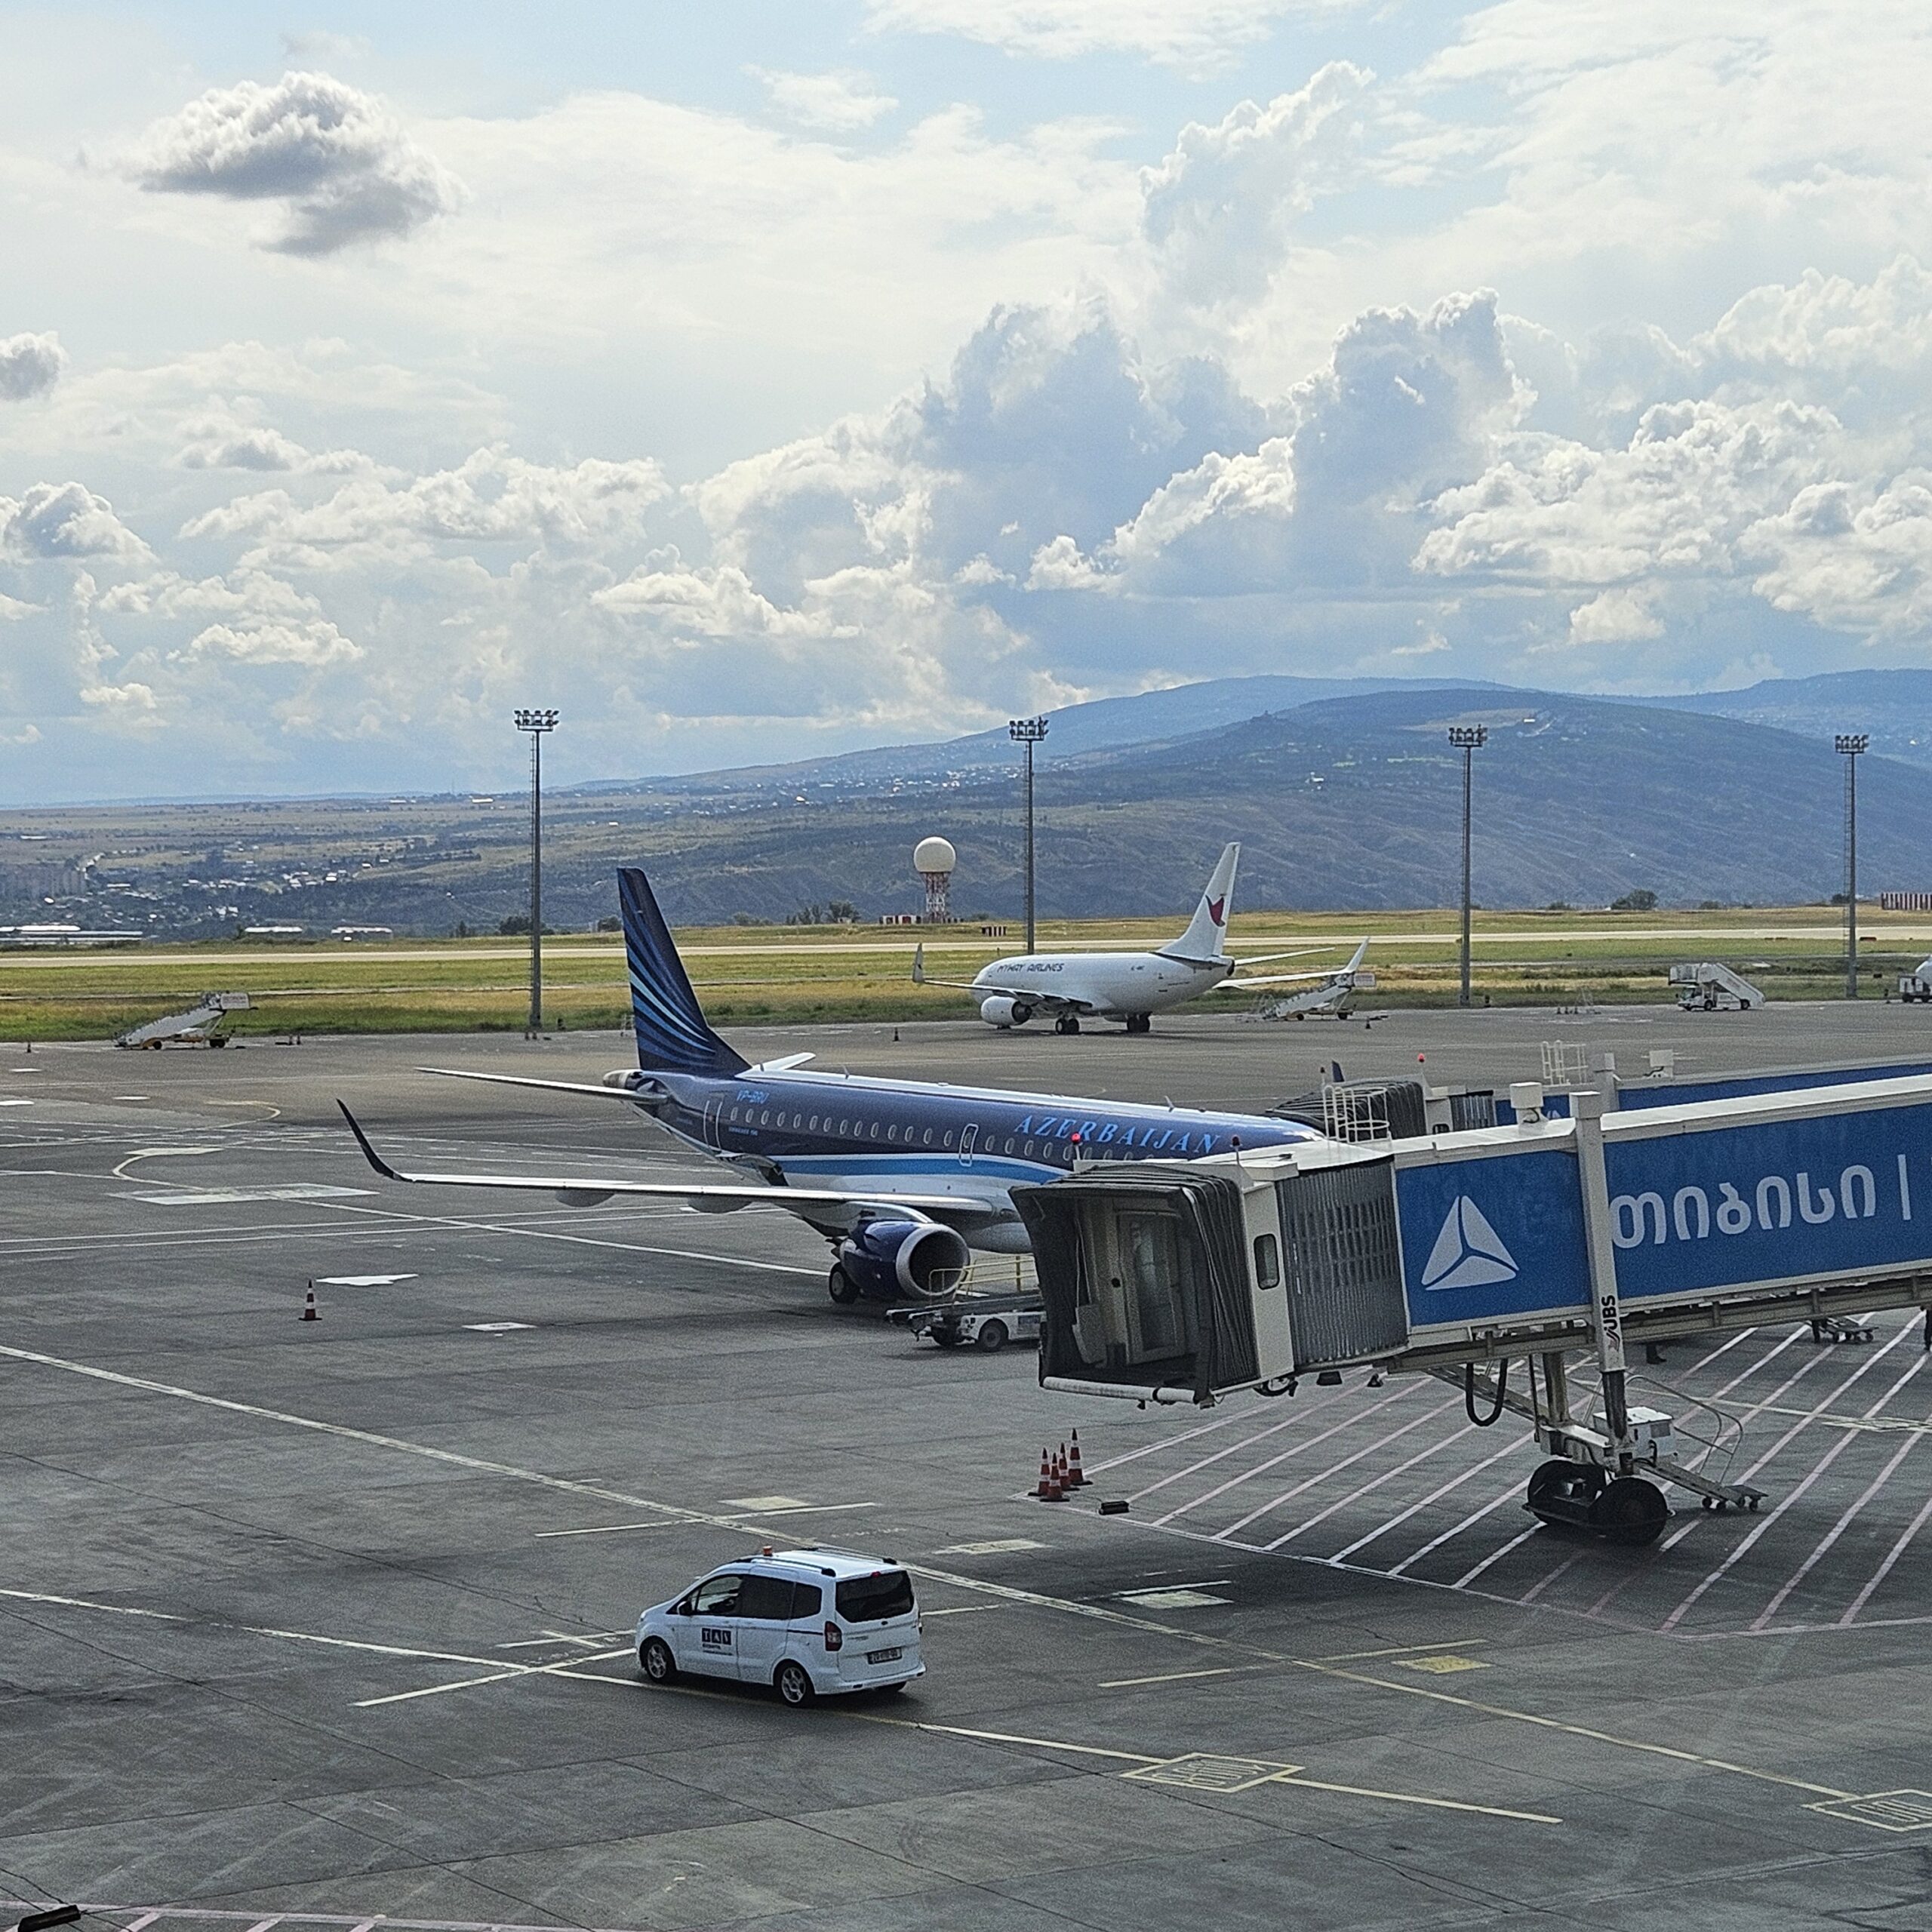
pixel 841 1286
pixel 992 1337
pixel 793 1683
pixel 655 1660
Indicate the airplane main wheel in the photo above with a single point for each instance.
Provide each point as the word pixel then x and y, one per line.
pixel 1139 1022
pixel 1068 1023
pixel 841 1286
pixel 1630 1511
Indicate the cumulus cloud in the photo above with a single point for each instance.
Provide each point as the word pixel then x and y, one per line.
pixel 1218 210
pixel 1197 35
pixel 29 365
pixel 1407 403
pixel 492 497
pixel 342 167
pixel 310 643
pixel 702 603
pixel 58 521
pixel 841 100
pixel 1621 616
pixel 223 443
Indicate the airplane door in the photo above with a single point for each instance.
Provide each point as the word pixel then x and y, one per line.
pixel 713 1108
pixel 967 1142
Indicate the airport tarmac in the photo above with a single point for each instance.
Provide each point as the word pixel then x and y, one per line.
pixel 327 1623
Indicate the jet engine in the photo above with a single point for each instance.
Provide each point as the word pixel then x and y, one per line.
pixel 1003 1010
pixel 891 1258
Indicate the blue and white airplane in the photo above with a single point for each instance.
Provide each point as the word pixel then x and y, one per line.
pixel 904 1178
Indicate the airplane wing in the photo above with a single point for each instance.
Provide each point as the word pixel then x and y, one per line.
pixel 1278 979
pixel 1045 1002
pixel 641 1089
pixel 816 1205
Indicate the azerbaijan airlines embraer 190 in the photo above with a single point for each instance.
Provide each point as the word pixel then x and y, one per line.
pixel 1068 987
pixel 904 1178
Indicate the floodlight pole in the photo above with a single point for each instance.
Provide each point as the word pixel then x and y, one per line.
pixel 1029 732
pixel 1850 745
pixel 1469 740
pixel 536 723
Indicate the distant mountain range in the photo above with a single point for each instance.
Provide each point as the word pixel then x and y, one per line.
pixel 1353 801
pixel 1344 792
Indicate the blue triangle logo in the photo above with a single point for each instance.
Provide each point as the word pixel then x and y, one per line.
pixel 1468 1252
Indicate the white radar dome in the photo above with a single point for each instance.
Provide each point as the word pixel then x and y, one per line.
pixel 935 855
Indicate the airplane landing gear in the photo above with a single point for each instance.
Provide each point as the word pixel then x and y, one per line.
pixel 1068 1023
pixel 1139 1022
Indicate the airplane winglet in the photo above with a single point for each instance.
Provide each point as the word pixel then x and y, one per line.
pixel 375 1160
pixel 919 963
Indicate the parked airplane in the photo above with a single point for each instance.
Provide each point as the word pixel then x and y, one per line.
pixel 904 1178
pixel 1068 987
pixel 1330 992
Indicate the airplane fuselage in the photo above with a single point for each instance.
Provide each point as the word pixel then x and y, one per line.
pixel 835 1130
pixel 1107 985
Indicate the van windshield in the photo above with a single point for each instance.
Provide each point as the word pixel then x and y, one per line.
pixel 867 1599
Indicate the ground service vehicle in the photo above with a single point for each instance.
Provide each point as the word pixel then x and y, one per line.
pixel 808 1622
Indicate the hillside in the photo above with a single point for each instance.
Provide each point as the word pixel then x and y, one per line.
pixel 1340 802
pixel 1894 706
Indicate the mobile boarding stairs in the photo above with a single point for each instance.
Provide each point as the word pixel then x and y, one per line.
pixel 199 1027
pixel 1556 1242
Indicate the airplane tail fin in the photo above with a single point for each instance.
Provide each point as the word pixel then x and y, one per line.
pixel 673 1036
pixel 1361 953
pixel 1206 934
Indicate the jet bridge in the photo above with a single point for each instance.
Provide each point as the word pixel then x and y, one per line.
pixel 1552 1243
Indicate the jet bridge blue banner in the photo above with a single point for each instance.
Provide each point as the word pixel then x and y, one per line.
pixel 1717 1210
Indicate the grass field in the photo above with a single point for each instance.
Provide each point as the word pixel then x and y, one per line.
pixel 749 975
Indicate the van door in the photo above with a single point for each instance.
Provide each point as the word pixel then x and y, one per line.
pixel 707 1640
pixel 764 1608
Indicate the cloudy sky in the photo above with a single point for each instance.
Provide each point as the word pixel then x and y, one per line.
pixel 755 381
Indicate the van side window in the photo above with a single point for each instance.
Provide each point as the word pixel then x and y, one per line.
pixel 807 1602
pixel 1267 1262
pixel 717 1596
pixel 769 1598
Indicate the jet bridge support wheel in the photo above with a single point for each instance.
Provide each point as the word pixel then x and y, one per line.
pixel 1563 1493
pixel 1629 1510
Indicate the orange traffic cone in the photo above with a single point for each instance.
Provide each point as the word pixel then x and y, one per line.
pixel 1045 1490
pixel 309 1311
pixel 1060 1472
pixel 1055 1489
pixel 1076 1477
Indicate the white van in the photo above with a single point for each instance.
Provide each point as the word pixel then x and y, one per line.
pixel 807 1622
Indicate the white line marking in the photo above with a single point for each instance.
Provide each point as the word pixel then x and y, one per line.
pixel 1765 1521
pixel 1422 1455
pixel 1274 1462
pixel 1885 1569
pixel 570 1666
pixel 1456 1529
pixel 1326 1471
pixel 1845 1520
pixel 1510 1448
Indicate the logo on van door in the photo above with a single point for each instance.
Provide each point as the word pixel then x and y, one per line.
pixel 1468 1252
pixel 714 1637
